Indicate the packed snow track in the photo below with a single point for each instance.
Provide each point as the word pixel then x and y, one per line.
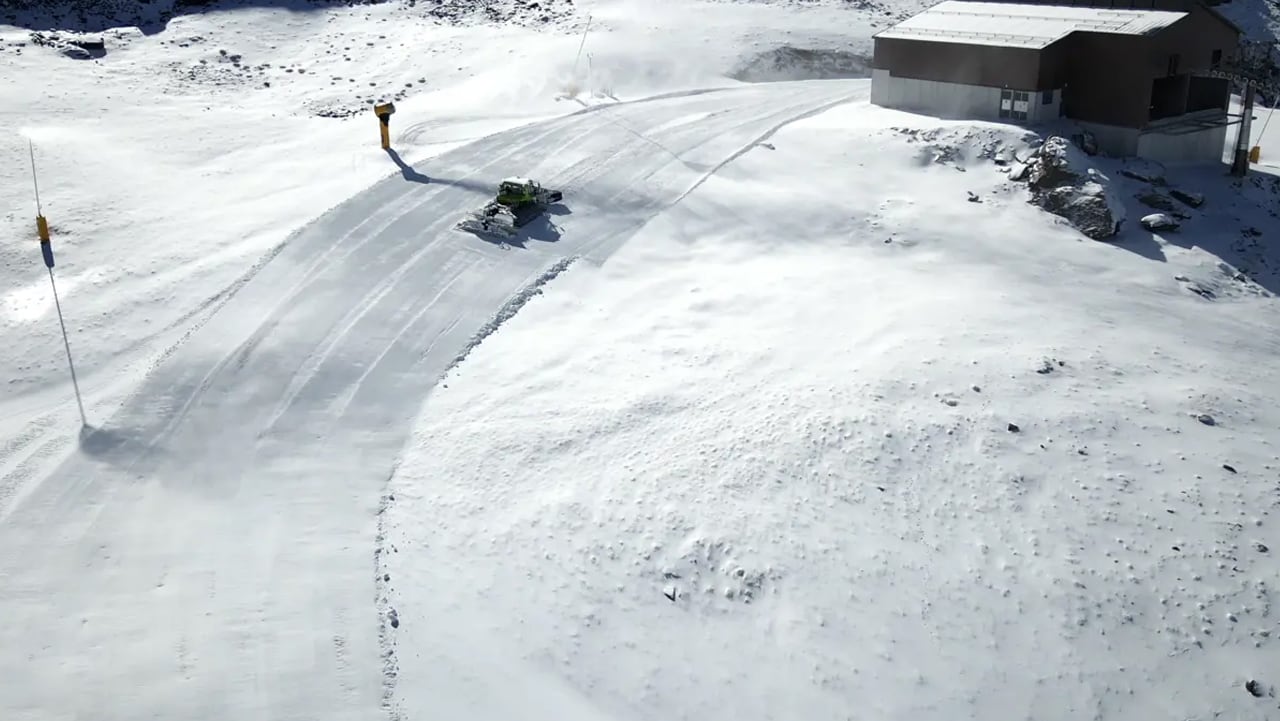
pixel 210 551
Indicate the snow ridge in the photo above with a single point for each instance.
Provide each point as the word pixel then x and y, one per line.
pixel 387 617
pixel 511 307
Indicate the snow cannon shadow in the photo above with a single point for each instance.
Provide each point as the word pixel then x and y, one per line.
pixel 411 174
pixel 791 63
pixel 407 171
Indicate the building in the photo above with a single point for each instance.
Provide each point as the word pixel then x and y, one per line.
pixel 1139 78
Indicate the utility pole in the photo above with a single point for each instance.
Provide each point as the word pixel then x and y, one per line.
pixel 46 250
pixel 578 59
pixel 1240 164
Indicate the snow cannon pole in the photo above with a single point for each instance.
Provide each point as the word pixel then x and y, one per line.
pixel 384 113
pixel 581 45
pixel 1240 164
pixel 46 250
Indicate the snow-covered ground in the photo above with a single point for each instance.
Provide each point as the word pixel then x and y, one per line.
pixel 769 420
pixel 901 456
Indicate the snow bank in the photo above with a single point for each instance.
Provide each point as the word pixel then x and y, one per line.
pixel 905 453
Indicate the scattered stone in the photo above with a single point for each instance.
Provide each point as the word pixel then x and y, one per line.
pixel 1260 547
pixel 1206 419
pixel 1160 221
pixel 1013 428
pixel 1254 688
pixel 394 618
pixel 1229 468
pixel 1143 177
pixel 91 43
pixel 1159 201
pixel 1195 200
pixel 973 198
pixel 670 593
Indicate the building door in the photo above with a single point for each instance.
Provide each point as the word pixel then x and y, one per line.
pixel 1015 104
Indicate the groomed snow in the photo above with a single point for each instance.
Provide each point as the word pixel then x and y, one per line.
pixel 827 440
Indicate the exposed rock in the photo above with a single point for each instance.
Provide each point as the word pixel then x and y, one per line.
pixel 92 43
pixel 1158 201
pixel 79 47
pixel 792 63
pixel 1151 178
pixel 1254 688
pixel 1195 200
pixel 1062 183
pixel 1086 141
pixel 1160 221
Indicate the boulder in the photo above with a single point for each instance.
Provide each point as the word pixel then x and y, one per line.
pixel 1159 221
pixel 91 43
pixel 1195 200
pixel 1153 177
pixel 1157 201
pixel 1063 183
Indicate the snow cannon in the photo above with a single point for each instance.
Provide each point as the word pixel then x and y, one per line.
pixel 384 113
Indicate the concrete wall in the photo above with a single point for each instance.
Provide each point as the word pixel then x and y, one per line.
pixel 1187 148
pixel 1042 113
pixel 945 100
pixel 955 100
pixel 1201 147
pixel 1114 140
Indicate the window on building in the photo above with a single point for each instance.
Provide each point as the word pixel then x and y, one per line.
pixel 1217 58
pixel 1046 98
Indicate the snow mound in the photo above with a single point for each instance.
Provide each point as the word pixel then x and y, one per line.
pixel 792 63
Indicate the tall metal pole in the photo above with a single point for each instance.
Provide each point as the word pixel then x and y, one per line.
pixel 46 250
pixel 1240 166
pixel 580 46
pixel 31 149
